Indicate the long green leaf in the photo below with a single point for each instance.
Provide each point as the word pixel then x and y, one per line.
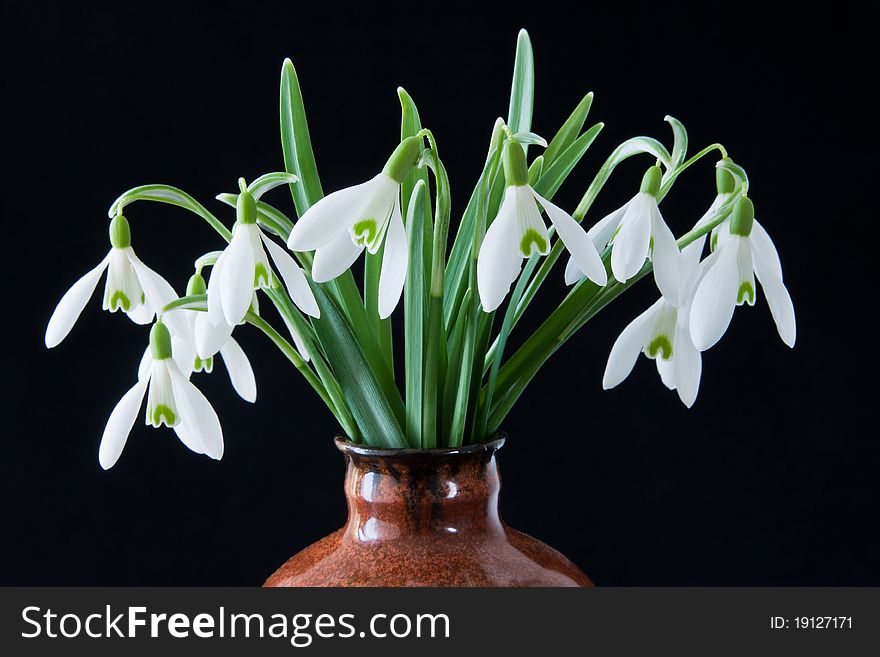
pixel 299 159
pixel 569 130
pixel 173 196
pixel 368 401
pixel 414 318
pixel 522 92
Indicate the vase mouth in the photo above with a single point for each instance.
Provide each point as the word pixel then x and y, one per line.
pixel 345 446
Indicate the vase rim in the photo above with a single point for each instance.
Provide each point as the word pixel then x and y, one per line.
pixel 345 446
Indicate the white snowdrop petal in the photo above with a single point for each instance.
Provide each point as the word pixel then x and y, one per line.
pixel 576 240
pixel 666 258
pixel 294 279
pixel 573 273
pixel 184 354
pixel 262 270
pixel 209 338
pixel 298 341
pixel 119 424
pixel 763 246
pixel 142 314
pixel 335 213
pixel 715 298
pixel 197 413
pixel 145 364
pixel 189 438
pixel 602 232
pixel 630 249
pixel 688 365
pixel 690 261
pixel 628 346
pixel 777 295
pixel 237 279
pixel 666 369
pixel 394 263
pixel 500 259
pixel 72 303
pixel 334 258
pixel 159 293
pixel 215 306
pixel 241 374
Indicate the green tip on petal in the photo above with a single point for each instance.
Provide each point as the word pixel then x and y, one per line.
pixel 532 242
pixel 246 207
pixel 196 284
pixel 403 159
pixel 724 181
pixel 516 172
pixel 120 232
pixel 745 293
pixel 651 181
pixel 660 345
pixel 743 217
pixel 160 341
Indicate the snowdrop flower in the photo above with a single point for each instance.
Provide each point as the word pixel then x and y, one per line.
pixel 662 333
pixel 637 231
pixel 197 354
pixel 130 286
pixel 244 267
pixel 341 225
pixel 744 250
pixel 171 400
pixel 519 231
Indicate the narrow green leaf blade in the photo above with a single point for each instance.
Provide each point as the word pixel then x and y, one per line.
pixel 522 92
pixel 414 300
pixel 371 408
pixel 569 130
pixel 299 159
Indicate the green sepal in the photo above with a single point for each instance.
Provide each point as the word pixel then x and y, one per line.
pixel 246 208
pixel 160 341
pixel 742 217
pixel 724 181
pixel 651 181
pixel 120 232
pixel 196 285
pixel 403 159
pixel 516 172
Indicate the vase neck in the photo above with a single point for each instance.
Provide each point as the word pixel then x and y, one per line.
pixel 421 493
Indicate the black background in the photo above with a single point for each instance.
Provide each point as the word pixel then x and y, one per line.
pixel 770 478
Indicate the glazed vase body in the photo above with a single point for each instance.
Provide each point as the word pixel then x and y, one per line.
pixel 425 518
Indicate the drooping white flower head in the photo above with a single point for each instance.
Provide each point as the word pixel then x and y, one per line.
pixel 518 231
pixel 341 225
pixel 130 286
pixel 637 231
pixel 662 334
pixel 243 267
pixel 744 249
pixel 171 400
pixel 196 351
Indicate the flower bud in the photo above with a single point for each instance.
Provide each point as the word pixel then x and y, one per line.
pixel 120 232
pixel 403 159
pixel 651 181
pixel 516 173
pixel 724 181
pixel 196 285
pixel 743 217
pixel 160 341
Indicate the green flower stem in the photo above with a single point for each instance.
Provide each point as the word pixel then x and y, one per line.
pixel 172 196
pixel 434 365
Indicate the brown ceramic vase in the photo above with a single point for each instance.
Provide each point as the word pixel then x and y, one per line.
pixel 425 518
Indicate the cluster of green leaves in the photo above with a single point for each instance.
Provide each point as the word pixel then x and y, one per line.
pixel 457 386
